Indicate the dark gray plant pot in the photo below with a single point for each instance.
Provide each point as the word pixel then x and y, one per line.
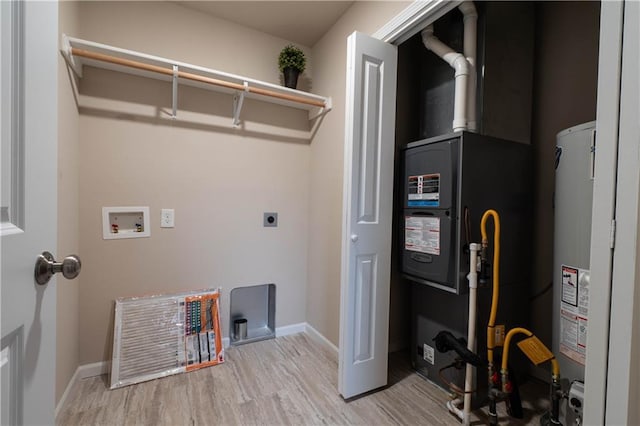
pixel 290 77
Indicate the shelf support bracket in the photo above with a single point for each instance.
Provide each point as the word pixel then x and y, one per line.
pixel 66 50
pixel 174 102
pixel 238 100
pixel 317 112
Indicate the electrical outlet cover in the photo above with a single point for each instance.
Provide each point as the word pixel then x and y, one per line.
pixel 270 220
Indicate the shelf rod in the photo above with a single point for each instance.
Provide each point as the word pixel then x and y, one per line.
pixel 190 76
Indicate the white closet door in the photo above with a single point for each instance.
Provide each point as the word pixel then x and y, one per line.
pixel 367 214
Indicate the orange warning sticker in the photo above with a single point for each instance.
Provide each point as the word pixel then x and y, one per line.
pixel 535 350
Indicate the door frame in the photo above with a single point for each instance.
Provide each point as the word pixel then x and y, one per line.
pixel 422 13
pixel 603 211
pixel 624 332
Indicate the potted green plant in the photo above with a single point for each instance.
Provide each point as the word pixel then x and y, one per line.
pixel 291 62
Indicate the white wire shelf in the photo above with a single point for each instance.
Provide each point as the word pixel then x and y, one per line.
pixel 79 53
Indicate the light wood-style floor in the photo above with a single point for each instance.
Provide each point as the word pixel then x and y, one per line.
pixel 291 380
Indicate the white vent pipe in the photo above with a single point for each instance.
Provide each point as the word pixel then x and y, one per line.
pixel 470 16
pixel 464 111
pixel 461 67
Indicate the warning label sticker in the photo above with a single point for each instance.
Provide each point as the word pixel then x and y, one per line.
pixel 535 350
pixel 424 190
pixel 574 313
pixel 570 285
pixel 422 234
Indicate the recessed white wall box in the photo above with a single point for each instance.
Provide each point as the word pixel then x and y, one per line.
pixel 125 222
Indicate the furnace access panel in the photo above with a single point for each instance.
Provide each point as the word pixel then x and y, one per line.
pixel 449 182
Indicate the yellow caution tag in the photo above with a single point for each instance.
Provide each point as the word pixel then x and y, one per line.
pixel 535 350
pixel 498 335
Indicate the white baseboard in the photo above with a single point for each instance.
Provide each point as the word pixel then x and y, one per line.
pixel 291 329
pixel 103 367
pixel 67 391
pixel 315 335
pixel 94 369
pixel 83 372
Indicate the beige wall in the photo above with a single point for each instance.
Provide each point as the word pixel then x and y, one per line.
pixel 172 31
pixel 326 169
pixel 67 344
pixel 218 179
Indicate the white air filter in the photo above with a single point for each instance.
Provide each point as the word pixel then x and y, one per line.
pixel 156 336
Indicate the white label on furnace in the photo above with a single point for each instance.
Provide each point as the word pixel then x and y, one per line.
pixel 428 354
pixel 425 187
pixel 574 313
pixel 422 234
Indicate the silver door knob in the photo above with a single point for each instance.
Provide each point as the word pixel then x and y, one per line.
pixel 354 238
pixel 46 266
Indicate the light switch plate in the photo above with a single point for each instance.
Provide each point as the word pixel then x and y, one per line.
pixel 167 218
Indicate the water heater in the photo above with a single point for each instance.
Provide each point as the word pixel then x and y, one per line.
pixel 575 151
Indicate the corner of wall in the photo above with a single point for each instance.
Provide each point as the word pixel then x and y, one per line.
pixel 327 164
pixel 67 296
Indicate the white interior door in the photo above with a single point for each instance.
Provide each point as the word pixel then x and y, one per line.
pixel 29 191
pixel 367 215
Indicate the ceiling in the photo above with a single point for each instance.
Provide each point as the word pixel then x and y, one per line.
pixel 301 22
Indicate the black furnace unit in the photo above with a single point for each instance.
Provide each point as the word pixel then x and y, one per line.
pixel 449 182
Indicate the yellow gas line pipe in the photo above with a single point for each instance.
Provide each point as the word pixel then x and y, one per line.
pixel 507 342
pixel 556 390
pixel 496 277
pixel 493 415
pixel 555 367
